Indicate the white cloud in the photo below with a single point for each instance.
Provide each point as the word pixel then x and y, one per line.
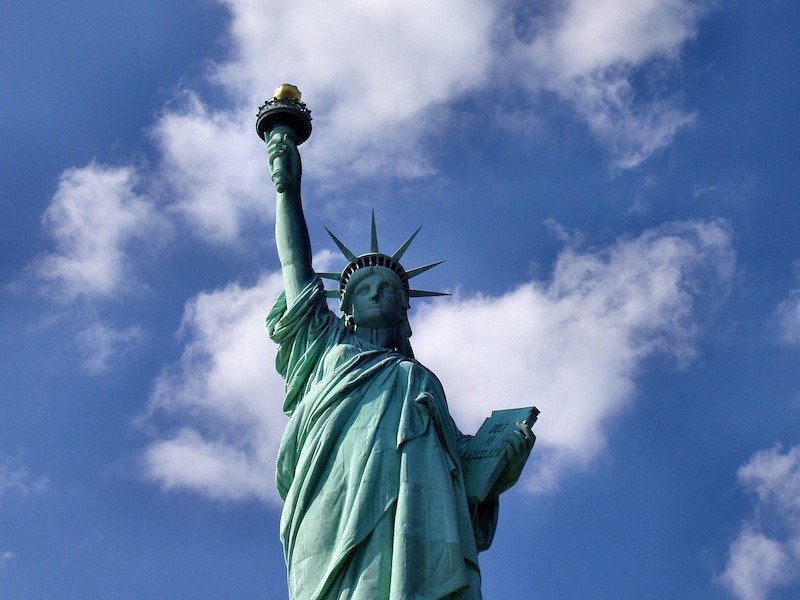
pixel 589 52
pixel 765 555
pixel 381 79
pixel 16 478
pixel 5 558
pixel 587 36
pixel 757 565
pixel 226 395
pixel 94 215
pixel 373 69
pixel 102 345
pixel 633 130
pixel 376 71
pixel 98 218
pixel 574 345
pixel 211 167
pixel 788 318
pixel 12 480
pixel 375 75
pixel 218 469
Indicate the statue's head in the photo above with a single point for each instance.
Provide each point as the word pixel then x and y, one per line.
pixel 373 289
pixel 375 297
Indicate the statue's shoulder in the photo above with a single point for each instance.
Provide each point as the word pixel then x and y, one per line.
pixel 423 375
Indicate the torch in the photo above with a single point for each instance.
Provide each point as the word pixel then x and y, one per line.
pixel 287 110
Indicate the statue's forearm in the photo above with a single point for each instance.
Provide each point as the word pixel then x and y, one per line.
pixel 292 241
pixel 291 232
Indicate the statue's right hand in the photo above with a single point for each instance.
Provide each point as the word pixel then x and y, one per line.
pixel 284 159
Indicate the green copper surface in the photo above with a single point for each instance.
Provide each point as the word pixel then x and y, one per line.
pixel 370 464
pixel 402 249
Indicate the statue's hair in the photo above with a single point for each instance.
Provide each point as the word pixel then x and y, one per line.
pixel 403 329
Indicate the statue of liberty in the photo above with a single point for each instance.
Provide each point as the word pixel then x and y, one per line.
pixel 370 463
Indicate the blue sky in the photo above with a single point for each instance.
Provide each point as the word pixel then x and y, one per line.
pixel 612 182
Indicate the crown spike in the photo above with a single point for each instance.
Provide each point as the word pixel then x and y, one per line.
pixel 414 272
pixel 345 250
pixel 425 294
pixel 374 258
pixel 402 249
pixel 373 242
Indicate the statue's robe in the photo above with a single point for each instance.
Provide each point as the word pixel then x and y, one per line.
pixel 369 469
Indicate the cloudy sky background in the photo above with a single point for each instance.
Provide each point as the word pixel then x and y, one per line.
pixel 612 182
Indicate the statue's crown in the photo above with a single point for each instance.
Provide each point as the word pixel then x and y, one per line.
pixel 375 258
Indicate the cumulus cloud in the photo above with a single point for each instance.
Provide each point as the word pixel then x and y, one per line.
pixel 16 478
pixel 98 219
pixel 375 73
pixel 225 395
pixel 219 408
pixel 573 346
pixel 382 80
pixel 217 468
pixel 590 52
pixel 633 130
pixel 5 558
pixel 765 556
pixel 210 167
pixel 788 318
pixel 102 345
pixel 94 215
pixel 578 37
pixel 373 69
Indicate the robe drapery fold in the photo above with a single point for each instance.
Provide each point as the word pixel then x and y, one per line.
pixel 369 469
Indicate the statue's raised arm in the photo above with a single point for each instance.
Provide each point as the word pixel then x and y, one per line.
pixel 284 122
pixel 291 232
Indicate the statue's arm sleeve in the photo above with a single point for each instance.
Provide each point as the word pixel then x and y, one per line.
pixel 303 331
pixel 294 246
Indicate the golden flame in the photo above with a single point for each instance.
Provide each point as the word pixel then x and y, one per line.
pixel 287 91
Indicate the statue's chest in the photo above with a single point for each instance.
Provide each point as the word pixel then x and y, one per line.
pixel 339 355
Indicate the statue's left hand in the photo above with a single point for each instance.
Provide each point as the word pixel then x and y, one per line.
pixel 518 447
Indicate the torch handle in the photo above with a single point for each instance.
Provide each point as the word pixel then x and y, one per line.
pixel 280 173
pixel 280 164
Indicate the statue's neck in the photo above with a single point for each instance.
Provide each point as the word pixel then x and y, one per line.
pixel 381 338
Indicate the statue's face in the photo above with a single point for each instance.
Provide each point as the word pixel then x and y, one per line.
pixel 376 302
